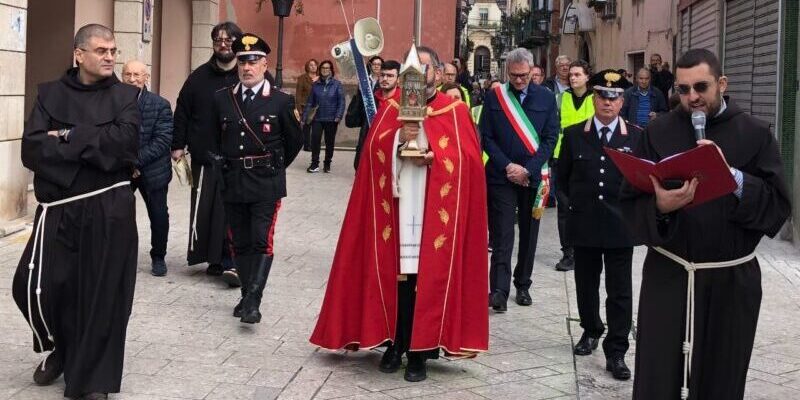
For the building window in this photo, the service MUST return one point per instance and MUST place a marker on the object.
(484, 16)
(635, 63)
(610, 10)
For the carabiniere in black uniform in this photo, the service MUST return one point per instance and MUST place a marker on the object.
(595, 224)
(259, 137)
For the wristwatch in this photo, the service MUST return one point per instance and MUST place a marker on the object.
(63, 135)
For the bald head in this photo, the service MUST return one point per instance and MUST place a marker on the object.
(134, 72)
(643, 78)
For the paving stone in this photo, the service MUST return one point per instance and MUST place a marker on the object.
(167, 386)
(515, 361)
(227, 391)
(525, 390)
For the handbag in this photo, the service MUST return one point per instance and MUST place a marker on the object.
(310, 115)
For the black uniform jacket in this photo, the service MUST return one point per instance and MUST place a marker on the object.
(256, 149)
(592, 183)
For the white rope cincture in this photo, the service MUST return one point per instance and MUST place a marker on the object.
(196, 208)
(688, 339)
(38, 244)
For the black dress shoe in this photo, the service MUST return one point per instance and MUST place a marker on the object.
(391, 360)
(215, 269)
(415, 370)
(567, 263)
(585, 345)
(523, 297)
(620, 371)
(49, 370)
(231, 277)
(499, 302)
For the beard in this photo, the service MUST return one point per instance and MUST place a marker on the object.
(711, 108)
(224, 57)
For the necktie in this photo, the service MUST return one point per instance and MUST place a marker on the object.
(248, 97)
(604, 135)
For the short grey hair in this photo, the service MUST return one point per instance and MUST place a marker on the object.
(563, 59)
(86, 32)
(520, 55)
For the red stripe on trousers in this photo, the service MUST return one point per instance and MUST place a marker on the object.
(271, 232)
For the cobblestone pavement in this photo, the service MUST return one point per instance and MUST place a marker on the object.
(183, 343)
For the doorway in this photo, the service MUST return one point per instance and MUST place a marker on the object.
(483, 62)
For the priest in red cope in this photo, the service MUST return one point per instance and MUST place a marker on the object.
(372, 300)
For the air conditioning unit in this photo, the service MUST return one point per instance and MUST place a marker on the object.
(599, 5)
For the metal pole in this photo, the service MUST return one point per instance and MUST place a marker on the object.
(279, 67)
(417, 22)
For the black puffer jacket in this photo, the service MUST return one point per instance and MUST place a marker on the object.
(155, 136)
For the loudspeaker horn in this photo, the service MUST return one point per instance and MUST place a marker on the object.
(368, 36)
(345, 62)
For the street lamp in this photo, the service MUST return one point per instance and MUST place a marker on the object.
(281, 9)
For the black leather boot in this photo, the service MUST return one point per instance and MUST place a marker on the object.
(245, 265)
(416, 370)
(391, 360)
(257, 277)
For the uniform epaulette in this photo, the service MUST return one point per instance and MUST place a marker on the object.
(632, 124)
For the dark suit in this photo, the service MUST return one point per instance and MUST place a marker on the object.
(254, 162)
(591, 183)
(510, 203)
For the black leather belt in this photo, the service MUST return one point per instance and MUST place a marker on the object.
(252, 161)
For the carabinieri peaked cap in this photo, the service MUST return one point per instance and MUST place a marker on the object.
(607, 83)
(250, 47)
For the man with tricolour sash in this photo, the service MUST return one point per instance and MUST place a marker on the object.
(519, 126)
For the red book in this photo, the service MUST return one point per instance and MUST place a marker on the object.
(703, 162)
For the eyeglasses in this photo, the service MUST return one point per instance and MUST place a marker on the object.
(227, 41)
(102, 51)
(699, 87)
(519, 77)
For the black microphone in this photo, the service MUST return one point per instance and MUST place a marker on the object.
(699, 124)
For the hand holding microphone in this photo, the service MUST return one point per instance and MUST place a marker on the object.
(699, 124)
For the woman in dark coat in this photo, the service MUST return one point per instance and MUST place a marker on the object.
(327, 96)
(304, 83)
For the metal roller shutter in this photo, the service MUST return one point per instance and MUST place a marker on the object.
(765, 61)
(704, 26)
(738, 59)
(751, 56)
(685, 30)
(699, 26)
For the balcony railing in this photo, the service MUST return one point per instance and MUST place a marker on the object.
(534, 30)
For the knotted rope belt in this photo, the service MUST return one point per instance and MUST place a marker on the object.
(193, 237)
(38, 241)
(688, 338)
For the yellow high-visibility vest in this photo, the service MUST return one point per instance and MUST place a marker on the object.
(571, 116)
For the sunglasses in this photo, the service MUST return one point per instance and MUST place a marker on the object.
(699, 87)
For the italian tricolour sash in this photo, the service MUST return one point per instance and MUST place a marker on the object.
(530, 138)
